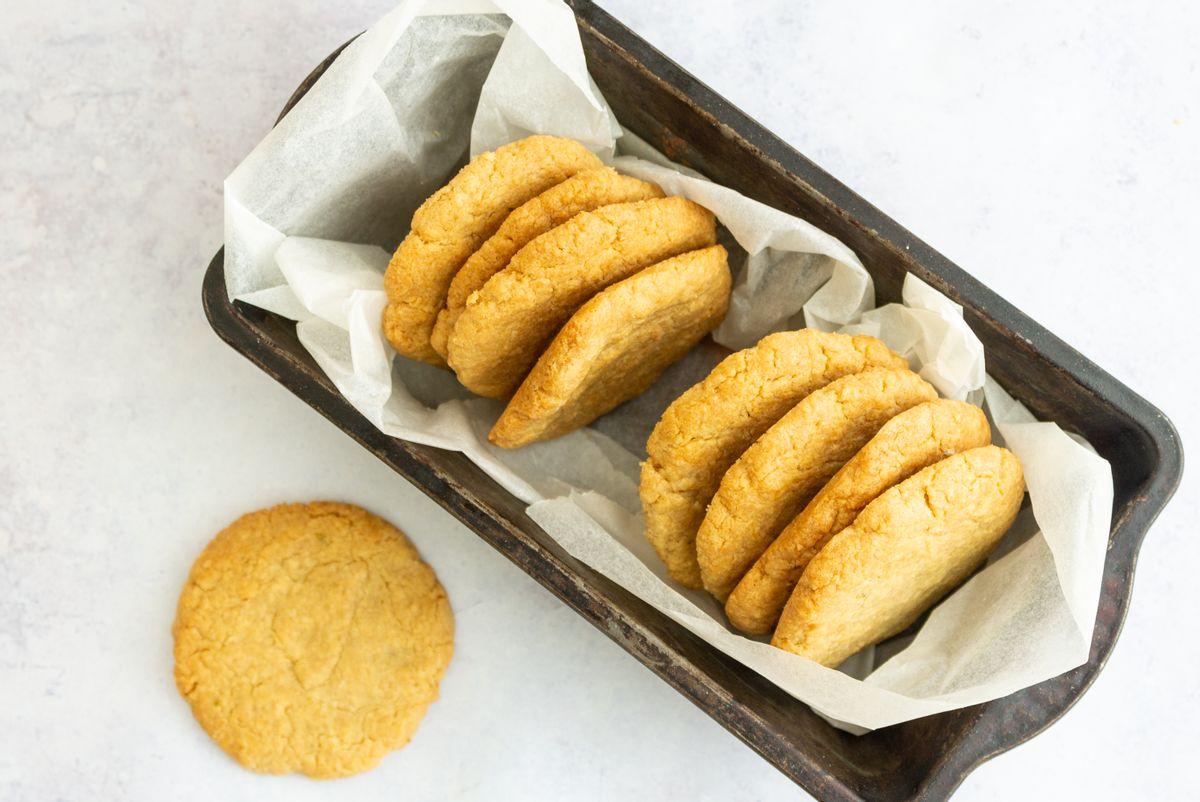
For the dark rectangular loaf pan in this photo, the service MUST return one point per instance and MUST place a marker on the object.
(923, 759)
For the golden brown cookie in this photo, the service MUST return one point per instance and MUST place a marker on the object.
(507, 324)
(904, 551)
(616, 345)
(790, 462)
(707, 428)
(912, 440)
(455, 221)
(581, 192)
(310, 638)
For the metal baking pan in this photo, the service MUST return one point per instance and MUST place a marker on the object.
(922, 759)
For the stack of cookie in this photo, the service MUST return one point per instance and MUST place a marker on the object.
(813, 483)
(823, 492)
(543, 277)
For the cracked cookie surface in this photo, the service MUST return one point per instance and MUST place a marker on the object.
(707, 428)
(904, 551)
(785, 467)
(506, 325)
(912, 440)
(616, 345)
(582, 192)
(457, 219)
(311, 638)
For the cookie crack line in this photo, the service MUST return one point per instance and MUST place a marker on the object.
(349, 630)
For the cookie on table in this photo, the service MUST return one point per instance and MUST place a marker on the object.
(785, 467)
(707, 428)
(456, 220)
(582, 192)
(616, 345)
(507, 324)
(912, 440)
(904, 551)
(311, 638)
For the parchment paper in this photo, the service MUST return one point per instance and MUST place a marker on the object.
(314, 211)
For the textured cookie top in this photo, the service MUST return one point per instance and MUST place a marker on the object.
(310, 638)
(617, 344)
(455, 220)
(707, 428)
(904, 551)
(508, 323)
(912, 440)
(791, 461)
(581, 192)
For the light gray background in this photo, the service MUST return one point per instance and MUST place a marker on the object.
(1050, 149)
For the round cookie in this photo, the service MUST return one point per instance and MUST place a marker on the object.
(790, 462)
(912, 440)
(616, 345)
(581, 192)
(455, 220)
(311, 638)
(507, 324)
(904, 551)
(707, 428)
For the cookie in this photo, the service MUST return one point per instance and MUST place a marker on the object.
(790, 462)
(581, 192)
(311, 638)
(707, 428)
(456, 220)
(507, 324)
(912, 440)
(904, 551)
(616, 345)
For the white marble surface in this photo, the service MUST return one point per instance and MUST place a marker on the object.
(1053, 150)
